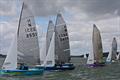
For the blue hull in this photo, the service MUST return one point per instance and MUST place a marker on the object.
(21, 72)
(59, 68)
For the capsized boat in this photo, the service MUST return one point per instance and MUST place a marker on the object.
(58, 49)
(24, 51)
(95, 58)
(112, 56)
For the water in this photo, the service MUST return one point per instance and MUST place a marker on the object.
(81, 72)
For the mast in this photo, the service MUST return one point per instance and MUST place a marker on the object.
(20, 20)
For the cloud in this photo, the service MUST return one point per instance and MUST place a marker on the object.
(7, 31)
(79, 15)
(80, 32)
(45, 7)
(8, 8)
(92, 9)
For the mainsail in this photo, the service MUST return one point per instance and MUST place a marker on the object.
(49, 34)
(62, 48)
(27, 38)
(97, 45)
(114, 49)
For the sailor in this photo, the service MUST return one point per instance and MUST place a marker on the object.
(23, 67)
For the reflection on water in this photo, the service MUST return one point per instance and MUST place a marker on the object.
(109, 72)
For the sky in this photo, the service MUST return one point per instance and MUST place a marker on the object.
(79, 15)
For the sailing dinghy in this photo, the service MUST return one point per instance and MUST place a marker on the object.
(95, 58)
(24, 52)
(58, 53)
(112, 56)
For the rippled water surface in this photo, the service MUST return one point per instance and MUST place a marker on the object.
(109, 72)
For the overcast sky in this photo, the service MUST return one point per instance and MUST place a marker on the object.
(79, 15)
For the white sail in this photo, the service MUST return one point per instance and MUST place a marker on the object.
(90, 59)
(10, 62)
(97, 45)
(113, 52)
(49, 34)
(50, 58)
(62, 47)
(25, 48)
(109, 57)
(97, 54)
(85, 55)
(27, 38)
(114, 49)
(118, 56)
(43, 53)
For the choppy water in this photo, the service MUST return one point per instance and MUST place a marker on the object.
(109, 72)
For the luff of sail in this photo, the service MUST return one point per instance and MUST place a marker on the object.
(62, 48)
(27, 38)
(49, 34)
(97, 45)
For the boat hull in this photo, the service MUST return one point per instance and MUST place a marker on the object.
(21, 72)
(60, 67)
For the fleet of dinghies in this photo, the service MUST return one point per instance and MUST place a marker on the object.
(57, 46)
(26, 58)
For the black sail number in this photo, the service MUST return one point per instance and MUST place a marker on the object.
(30, 35)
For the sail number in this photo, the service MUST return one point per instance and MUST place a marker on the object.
(31, 35)
(31, 32)
(31, 29)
